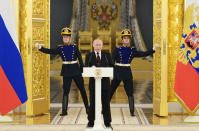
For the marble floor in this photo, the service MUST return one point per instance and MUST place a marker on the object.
(121, 119)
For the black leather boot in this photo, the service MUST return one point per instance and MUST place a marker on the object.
(131, 105)
(85, 100)
(87, 109)
(64, 106)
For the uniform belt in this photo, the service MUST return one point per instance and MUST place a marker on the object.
(120, 64)
(69, 62)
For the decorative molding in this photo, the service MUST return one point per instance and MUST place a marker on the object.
(157, 56)
(35, 27)
(38, 8)
(40, 61)
(22, 39)
(175, 28)
(38, 32)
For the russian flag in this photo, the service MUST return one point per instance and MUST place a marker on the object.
(12, 83)
(186, 85)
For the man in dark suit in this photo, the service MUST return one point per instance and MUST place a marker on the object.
(99, 58)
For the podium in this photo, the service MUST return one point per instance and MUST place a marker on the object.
(98, 73)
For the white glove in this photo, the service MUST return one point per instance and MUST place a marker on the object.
(155, 46)
(38, 45)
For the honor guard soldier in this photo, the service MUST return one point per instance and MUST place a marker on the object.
(70, 69)
(122, 57)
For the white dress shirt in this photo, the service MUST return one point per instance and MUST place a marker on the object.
(99, 54)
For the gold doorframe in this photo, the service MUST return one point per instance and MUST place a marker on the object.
(167, 25)
(34, 26)
(160, 105)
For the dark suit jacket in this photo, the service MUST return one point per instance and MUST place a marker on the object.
(68, 70)
(106, 61)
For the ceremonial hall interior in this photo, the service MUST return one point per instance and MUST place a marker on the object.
(151, 21)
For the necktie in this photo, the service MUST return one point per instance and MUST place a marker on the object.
(98, 58)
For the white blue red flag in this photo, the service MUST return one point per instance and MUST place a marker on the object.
(12, 82)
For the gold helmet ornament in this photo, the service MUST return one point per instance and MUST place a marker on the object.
(66, 31)
(126, 32)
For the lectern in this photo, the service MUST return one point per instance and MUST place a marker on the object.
(98, 73)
